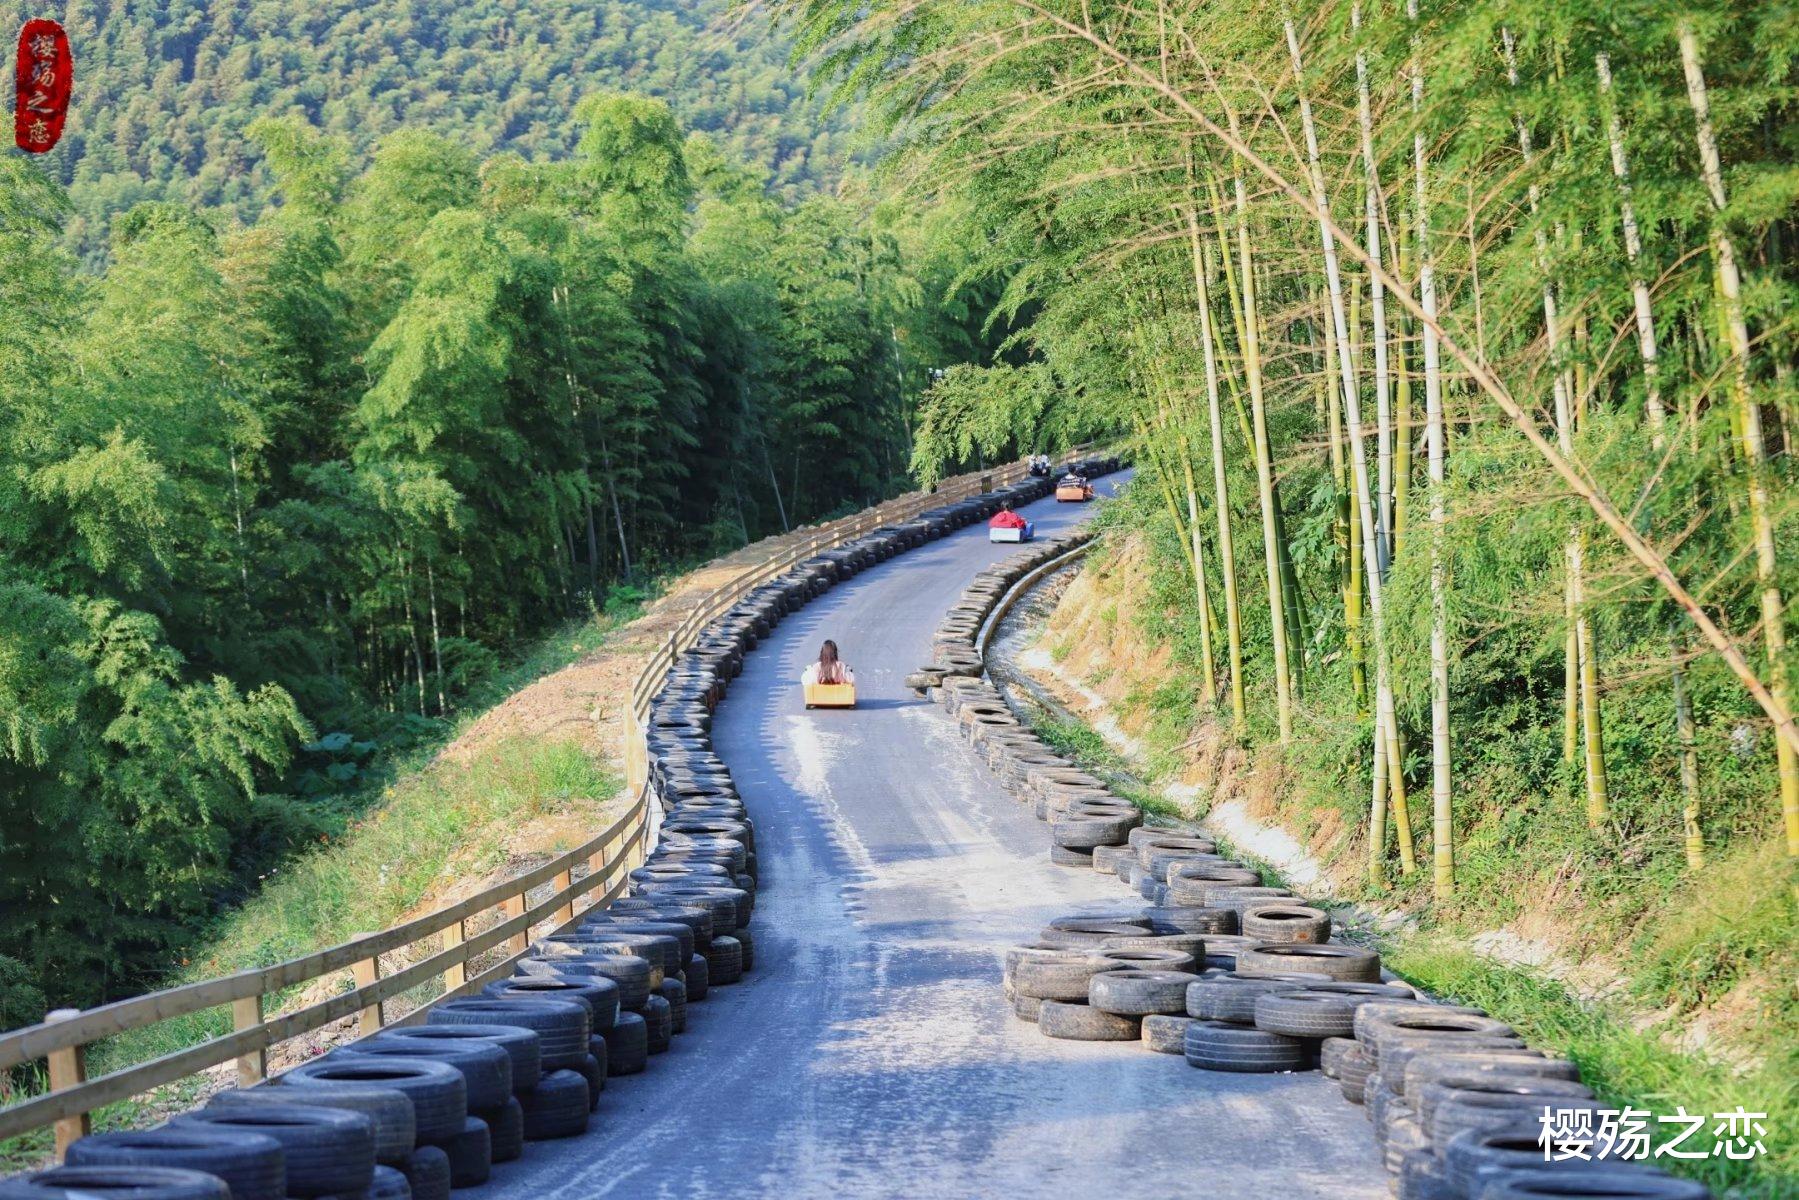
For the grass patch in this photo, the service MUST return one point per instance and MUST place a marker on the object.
(1089, 750)
(1624, 1065)
(380, 869)
(385, 845)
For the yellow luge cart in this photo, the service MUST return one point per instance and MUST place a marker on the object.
(1077, 492)
(830, 695)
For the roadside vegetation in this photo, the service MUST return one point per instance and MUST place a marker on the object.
(1454, 344)
(1628, 1052)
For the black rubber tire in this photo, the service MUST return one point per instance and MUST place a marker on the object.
(437, 1091)
(593, 1070)
(674, 992)
(628, 1046)
(1131, 993)
(1062, 856)
(1218, 1046)
(1400, 1135)
(598, 992)
(1338, 962)
(1618, 1184)
(1080, 933)
(1027, 1008)
(658, 1019)
(632, 974)
(1354, 1069)
(1232, 998)
(326, 1151)
(746, 942)
(1474, 1158)
(470, 1153)
(1430, 1068)
(427, 1171)
(1290, 923)
(699, 978)
(1494, 1110)
(1166, 1034)
(1422, 1176)
(486, 1068)
(1088, 833)
(522, 1046)
(389, 1184)
(1131, 959)
(505, 1130)
(596, 1050)
(1190, 944)
(1306, 1014)
(1331, 1052)
(1370, 1019)
(396, 1125)
(1107, 859)
(562, 1026)
(251, 1164)
(115, 1183)
(1084, 1023)
(1066, 976)
(1431, 1096)
(1395, 1052)
(556, 1107)
(724, 961)
(1191, 918)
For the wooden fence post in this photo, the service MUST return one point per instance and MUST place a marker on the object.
(564, 880)
(68, 1068)
(252, 1068)
(366, 973)
(456, 974)
(519, 942)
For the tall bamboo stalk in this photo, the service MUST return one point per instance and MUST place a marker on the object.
(1748, 416)
(1271, 552)
(1442, 810)
(1579, 676)
(1352, 407)
(1227, 555)
(1383, 399)
(1656, 414)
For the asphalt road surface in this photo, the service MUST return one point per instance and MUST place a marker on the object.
(871, 1052)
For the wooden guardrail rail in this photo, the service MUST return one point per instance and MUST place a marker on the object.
(62, 1038)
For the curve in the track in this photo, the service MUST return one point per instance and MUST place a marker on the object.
(871, 1052)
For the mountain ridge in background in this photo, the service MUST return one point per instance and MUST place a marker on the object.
(164, 91)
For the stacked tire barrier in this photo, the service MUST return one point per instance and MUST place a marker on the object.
(1236, 976)
(416, 1111)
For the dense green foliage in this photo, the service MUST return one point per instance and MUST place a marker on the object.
(166, 92)
(1103, 147)
(1573, 721)
(275, 496)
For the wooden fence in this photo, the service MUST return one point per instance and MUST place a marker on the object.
(62, 1038)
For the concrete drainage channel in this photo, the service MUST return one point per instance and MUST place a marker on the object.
(421, 1110)
(1237, 977)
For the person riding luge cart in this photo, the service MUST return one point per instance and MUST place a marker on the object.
(1008, 526)
(1073, 488)
(829, 683)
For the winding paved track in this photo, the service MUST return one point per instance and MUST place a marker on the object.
(870, 1052)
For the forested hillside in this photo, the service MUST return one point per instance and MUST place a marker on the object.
(165, 92)
(274, 495)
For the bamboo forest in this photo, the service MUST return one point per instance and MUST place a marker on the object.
(348, 351)
(314, 475)
(1455, 344)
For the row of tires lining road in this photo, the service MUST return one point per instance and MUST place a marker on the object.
(1238, 977)
(412, 1113)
